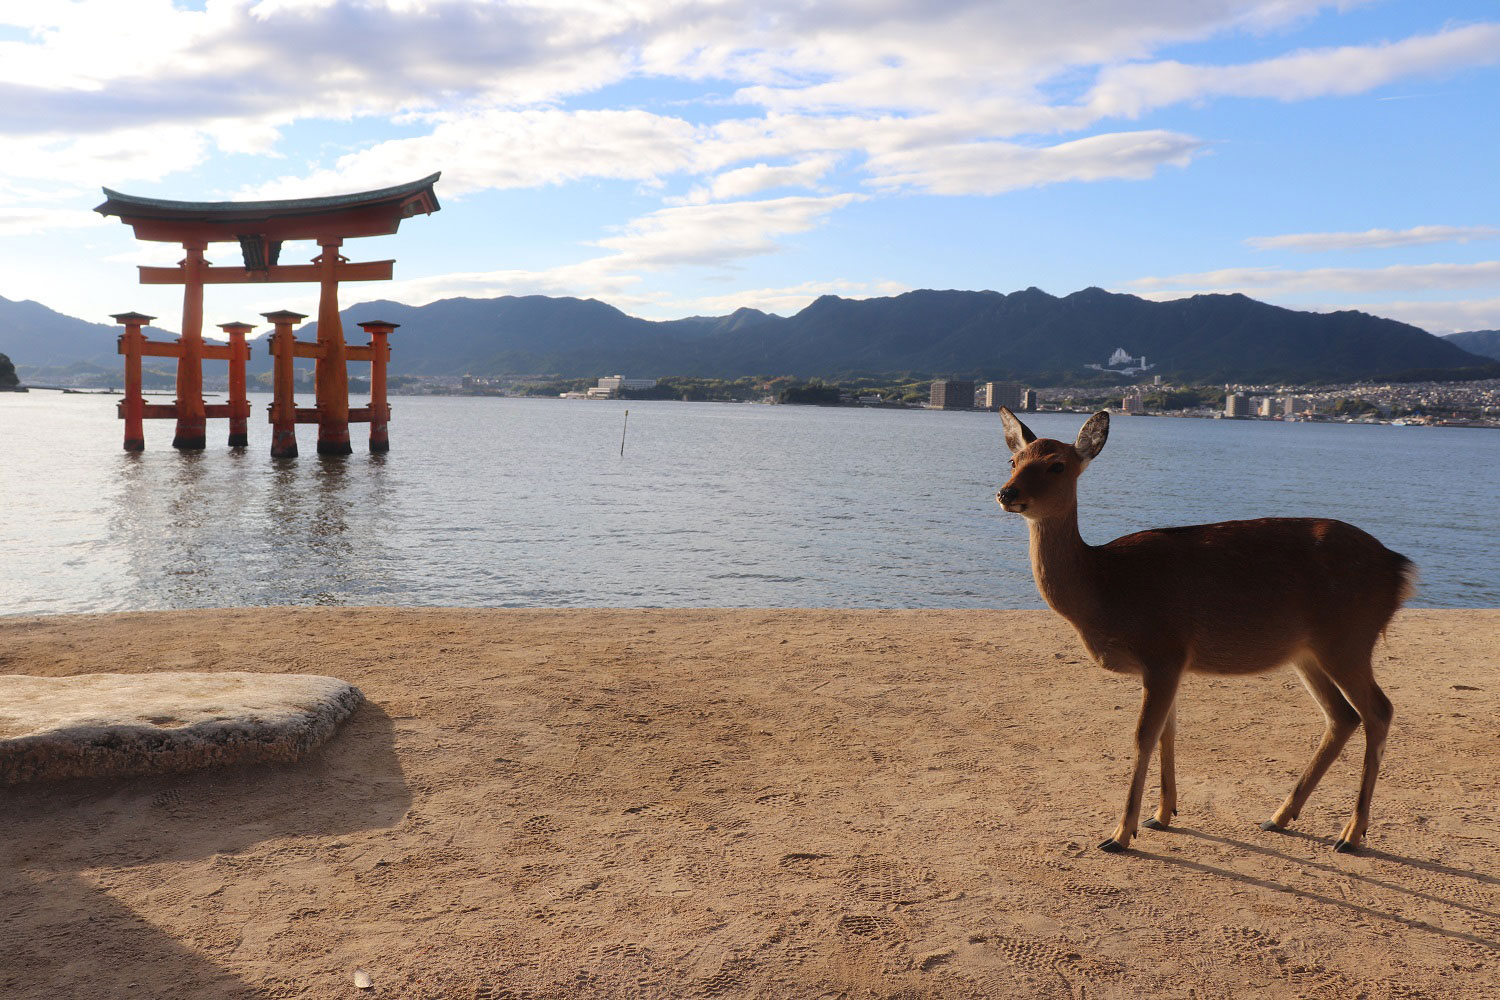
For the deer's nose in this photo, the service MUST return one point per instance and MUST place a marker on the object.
(1008, 494)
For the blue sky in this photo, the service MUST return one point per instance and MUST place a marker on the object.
(678, 157)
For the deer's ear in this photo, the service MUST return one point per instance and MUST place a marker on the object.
(1017, 434)
(1093, 435)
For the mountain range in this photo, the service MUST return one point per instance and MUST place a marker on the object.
(1027, 335)
(1482, 342)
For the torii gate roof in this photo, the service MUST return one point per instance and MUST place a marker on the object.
(366, 213)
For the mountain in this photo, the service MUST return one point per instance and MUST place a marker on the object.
(37, 337)
(1028, 335)
(1482, 342)
(534, 334)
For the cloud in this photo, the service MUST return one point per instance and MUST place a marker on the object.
(712, 235)
(988, 168)
(28, 220)
(1133, 89)
(1260, 280)
(760, 177)
(1372, 239)
(509, 149)
(1440, 317)
(715, 234)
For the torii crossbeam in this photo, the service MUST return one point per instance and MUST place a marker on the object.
(260, 228)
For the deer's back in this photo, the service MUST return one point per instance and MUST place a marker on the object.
(1245, 596)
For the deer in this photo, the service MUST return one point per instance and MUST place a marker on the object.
(1231, 598)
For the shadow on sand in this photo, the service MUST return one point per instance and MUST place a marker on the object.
(1342, 872)
(58, 930)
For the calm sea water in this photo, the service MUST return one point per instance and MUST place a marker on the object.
(528, 502)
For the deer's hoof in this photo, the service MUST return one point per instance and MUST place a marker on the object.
(1112, 846)
(1152, 823)
(1343, 846)
(1271, 825)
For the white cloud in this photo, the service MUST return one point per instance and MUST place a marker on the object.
(760, 177)
(1372, 239)
(995, 167)
(1440, 317)
(710, 235)
(1133, 89)
(509, 149)
(28, 220)
(715, 234)
(1258, 280)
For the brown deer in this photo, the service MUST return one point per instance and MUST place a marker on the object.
(1238, 597)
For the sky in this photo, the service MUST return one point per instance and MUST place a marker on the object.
(689, 157)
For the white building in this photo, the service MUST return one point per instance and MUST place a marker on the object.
(610, 386)
(994, 395)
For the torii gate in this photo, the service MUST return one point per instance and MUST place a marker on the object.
(260, 227)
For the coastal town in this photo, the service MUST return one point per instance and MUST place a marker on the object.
(1449, 404)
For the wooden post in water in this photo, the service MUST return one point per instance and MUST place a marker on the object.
(623, 429)
(332, 376)
(239, 403)
(133, 406)
(380, 410)
(191, 419)
(283, 402)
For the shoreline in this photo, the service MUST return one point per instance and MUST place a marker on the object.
(760, 802)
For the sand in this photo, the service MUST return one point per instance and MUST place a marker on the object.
(751, 803)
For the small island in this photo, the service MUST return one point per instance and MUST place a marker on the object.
(9, 382)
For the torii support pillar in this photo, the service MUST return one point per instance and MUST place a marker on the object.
(132, 342)
(239, 403)
(380, 411)
(191, 416)
(332, 375)
(283, 402)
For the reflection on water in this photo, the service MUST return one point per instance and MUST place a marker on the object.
(499, 502)
(217, 529)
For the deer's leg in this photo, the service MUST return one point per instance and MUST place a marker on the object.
(1156, 707)
(1342, 720)
(1168, 761)
(1375, 712)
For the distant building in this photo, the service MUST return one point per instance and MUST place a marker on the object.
(997, 394)
(1269, 407)
(1028, 400)
(1293, 405)
(610, 386)
(951, 394)
(1122, 362)
(1133, 403)
(1236, 405)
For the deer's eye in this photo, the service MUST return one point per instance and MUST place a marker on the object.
(1056, 468)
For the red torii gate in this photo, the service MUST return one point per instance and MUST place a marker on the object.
(260, 228)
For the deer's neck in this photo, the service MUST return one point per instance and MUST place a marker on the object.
(1063, 566)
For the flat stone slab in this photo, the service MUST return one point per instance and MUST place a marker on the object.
(102, 725)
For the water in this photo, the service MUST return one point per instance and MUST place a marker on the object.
(527, 502)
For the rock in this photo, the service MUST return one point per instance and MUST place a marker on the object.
(97, 725)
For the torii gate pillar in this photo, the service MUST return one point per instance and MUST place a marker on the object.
(239, 403)
(191, 417)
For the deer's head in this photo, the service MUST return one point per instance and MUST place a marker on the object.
(1045, 472)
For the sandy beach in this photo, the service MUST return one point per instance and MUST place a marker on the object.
(835, 804)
